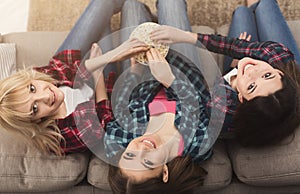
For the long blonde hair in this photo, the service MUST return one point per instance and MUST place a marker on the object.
(44, 135)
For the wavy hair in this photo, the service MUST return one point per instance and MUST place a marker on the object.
(44, 135)
(184, 176)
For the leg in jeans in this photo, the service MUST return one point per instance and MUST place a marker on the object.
(272, 26)
(133, 13)
(92, 25)
(174, 13)
(243, 20)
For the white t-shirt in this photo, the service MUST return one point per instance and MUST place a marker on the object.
(231, 73)
(73, 97)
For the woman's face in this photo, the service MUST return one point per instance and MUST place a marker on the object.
(257, 78)
(45, 99)
(144, 158)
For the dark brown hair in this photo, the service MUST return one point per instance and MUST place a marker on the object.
(267, 120)
(184, 176)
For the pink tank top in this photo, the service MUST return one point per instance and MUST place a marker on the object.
(161, 104)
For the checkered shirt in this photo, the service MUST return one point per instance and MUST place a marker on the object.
(85, 127)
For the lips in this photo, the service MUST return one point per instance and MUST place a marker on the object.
(150, 143)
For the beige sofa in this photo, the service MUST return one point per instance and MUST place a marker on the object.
(232, 169)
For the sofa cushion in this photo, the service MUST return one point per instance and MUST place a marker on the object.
(271, 166)
(218, 167)
(7, 59)
(25, 169)
(97, 173)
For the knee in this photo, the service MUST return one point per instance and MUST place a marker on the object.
(170, 3)
(131, 4)
(240, 10)
(266, 3)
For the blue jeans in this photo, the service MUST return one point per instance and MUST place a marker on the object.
(265, 22)
(169, 12)
(93, 24)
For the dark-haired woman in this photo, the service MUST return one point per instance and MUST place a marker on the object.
(262, 92)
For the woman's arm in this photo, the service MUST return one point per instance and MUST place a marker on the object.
(126, 50)
(97, 62)
(171, 35)
(233, 47)
(100, 90)
(215, 43)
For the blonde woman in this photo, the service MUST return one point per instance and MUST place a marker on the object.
(64, 107)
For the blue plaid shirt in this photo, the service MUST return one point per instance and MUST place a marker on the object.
(197, 112)
(130, 105)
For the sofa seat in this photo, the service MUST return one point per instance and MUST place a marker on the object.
(25, 169)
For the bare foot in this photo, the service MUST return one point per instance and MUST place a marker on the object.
(95, 51)
(251, 2)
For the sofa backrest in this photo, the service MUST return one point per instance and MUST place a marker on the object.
(34, 48)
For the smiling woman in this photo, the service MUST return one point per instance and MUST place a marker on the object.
(256, 78)
(143, 158)
(43, 99)
(160, 132)
(266, 82)
(41, 104)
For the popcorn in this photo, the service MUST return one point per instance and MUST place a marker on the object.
(142, 33)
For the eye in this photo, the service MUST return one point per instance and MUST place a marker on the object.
(148, 162)
(32, 88)
(251, 86)
(35, 108)
(130, 154)
(266, 75)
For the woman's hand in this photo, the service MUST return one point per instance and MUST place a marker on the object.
(160, 68)
(171, 35)
(127, 49)
(136, 67)
(243, 36)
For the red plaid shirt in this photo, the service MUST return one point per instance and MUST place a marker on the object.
(85, 127)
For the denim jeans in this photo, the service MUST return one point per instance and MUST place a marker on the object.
(93, 25)
(265, 22)
(169, 12)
